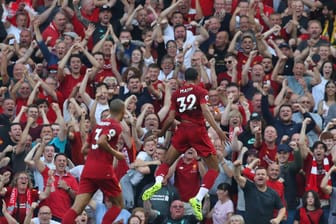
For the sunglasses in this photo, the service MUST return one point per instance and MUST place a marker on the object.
(227, 62)
(178, 206)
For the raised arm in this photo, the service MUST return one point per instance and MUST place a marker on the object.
(33, 95)
(19, 148)
(279, 67)
(247, 67)
(211, 120)
(37, 157)
(237, 174)
(62, 134)
(46, 14)
(78, 13)
(302, 140)
(128, 23)
(225, 114)
(29, 157)
(85, 96)
(232, 46)
(3, 68)
(62, 63)
(204, 35)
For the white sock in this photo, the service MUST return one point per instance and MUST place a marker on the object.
(201, 193)
(158, 179)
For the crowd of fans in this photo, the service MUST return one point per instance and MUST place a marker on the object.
(268, 67)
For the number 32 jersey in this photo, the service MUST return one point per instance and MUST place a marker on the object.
(186, 102)
(99, 162)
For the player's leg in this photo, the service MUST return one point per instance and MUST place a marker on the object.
(161, 172)
(208, 180)
(77, 208)
(114, 210)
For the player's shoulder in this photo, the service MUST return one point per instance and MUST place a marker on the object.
(108, 122)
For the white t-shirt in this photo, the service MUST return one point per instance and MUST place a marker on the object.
(37, 221)
(99, 109)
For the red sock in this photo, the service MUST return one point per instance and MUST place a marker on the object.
(111, 215)
(162, 170)
(69, 217)
(209, 178)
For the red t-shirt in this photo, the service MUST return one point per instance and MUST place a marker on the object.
(206, 5)
(267, 155)
(77, 156)
(94, 17)
(100, 159)
(22, 200)
(186, 102)
(307, 166)
(242, 59)
(51, 31)
(187, 173)
(59, 200)
(157, 103)
(68, 83)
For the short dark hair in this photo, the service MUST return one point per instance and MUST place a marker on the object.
(285, 105)
(190, 74)
(101, 84)
(317, 143)
(117, 106)
(32, 106)
(223, 186)
(153, 65)
(40, 101)
(60, 154)
(178, 26)
(75, 56)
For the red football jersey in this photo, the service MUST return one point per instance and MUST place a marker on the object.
(186, 102)
(99, 161)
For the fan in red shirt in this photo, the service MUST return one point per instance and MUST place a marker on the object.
(247, 45)
(103, 141)
(189, 106)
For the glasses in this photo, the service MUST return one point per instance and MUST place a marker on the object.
(307, 102)
(178, 206)
(44, 213)
(227, 62)
(170, 47)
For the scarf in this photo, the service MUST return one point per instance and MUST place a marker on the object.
(13, 201)
(312, 179)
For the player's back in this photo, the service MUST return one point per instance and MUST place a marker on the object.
(99, 159)
(187, 101)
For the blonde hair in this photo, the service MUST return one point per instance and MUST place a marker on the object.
(237, 218)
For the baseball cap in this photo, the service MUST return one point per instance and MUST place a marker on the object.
(284, 148)
(71, 34)
(104, 8)
(255, 116)
(284, 44)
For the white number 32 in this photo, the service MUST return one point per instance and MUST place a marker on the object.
(186, 103)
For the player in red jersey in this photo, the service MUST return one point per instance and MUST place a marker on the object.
(98, 171)
(189, 106)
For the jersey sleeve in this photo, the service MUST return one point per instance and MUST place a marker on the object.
(203, 96)
(173, 102)
(111, 131)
